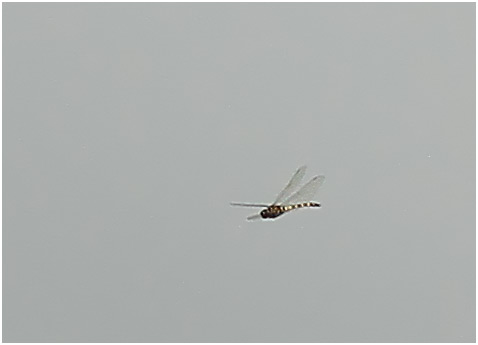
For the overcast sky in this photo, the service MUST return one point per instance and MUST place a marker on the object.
(128, 129)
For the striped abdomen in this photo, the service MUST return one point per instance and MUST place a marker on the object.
(304, 204)
(276, 210)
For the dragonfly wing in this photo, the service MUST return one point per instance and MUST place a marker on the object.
(291, 186)
(254, 217)
(307, 192)
(248, 205)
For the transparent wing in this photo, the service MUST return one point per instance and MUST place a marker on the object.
(291, 186)
(247, 204)
(307, 192)
(254, 217)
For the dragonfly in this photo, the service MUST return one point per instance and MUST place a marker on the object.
(287, 200)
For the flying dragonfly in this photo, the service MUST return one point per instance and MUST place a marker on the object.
(286, 201)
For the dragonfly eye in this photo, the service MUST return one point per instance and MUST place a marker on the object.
(263, 213)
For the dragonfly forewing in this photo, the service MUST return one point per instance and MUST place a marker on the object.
(248, 205)
(254, 217)
(306, 193)
(291, 186)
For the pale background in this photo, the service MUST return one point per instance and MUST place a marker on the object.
(128, 129)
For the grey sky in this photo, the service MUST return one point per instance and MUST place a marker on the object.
(128, 129)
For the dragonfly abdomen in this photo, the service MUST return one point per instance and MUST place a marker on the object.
(304, 204)
(275, 210)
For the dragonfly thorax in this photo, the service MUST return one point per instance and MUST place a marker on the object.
(272, 212)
